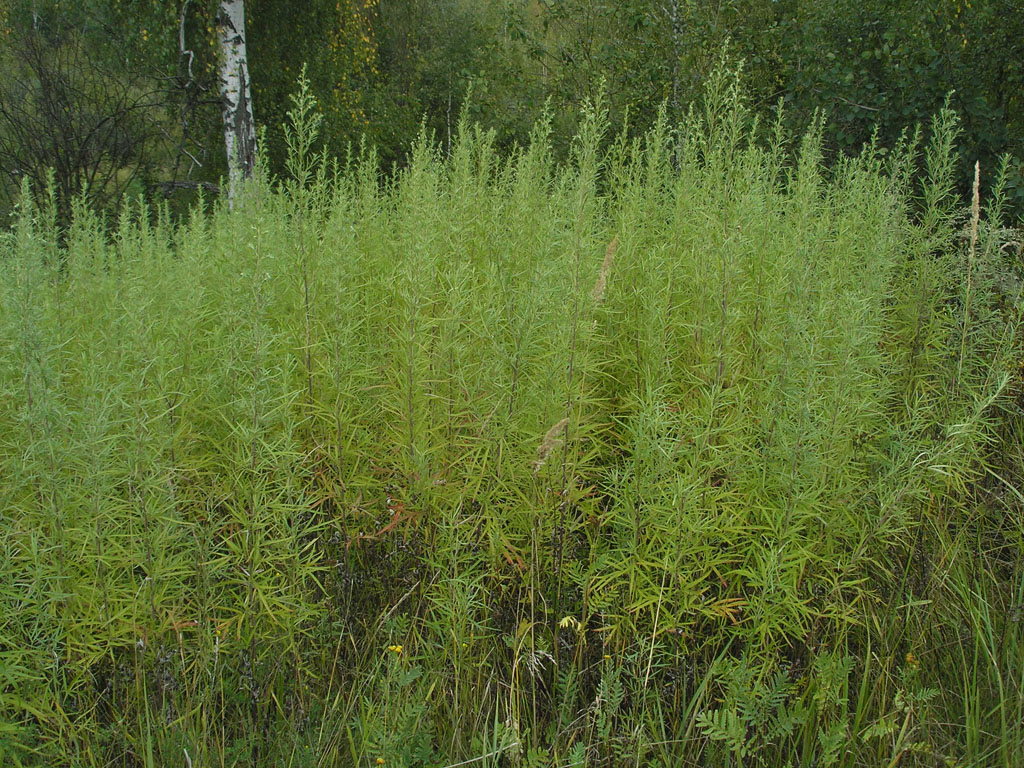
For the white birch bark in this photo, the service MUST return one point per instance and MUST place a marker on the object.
(236, 97)
(671, 10)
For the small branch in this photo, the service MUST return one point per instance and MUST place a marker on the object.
(851, 103)
(168, 187)
(182, 50)
(496, 752)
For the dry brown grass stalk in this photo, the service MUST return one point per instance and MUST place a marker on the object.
(550, 442)
(975, 207)
(975, 217)
(606, 268)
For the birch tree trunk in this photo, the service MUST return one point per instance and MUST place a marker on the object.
(236, 98)
(672, 11)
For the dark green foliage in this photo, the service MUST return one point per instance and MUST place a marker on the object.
(885, 66)
(381, 69)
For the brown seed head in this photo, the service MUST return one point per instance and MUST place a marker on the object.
(606, 267)
(551, 441)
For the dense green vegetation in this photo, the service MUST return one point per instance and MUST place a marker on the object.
(688, 450)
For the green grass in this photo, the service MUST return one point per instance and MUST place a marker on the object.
(690, 451)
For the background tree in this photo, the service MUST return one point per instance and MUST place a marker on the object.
(98, 91)
(65, 110)
(381, 69)
(70, 105)
(428, 54)
(235, 93)
(883, 65)
(337, 43)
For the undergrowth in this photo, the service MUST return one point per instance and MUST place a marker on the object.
(691, 451)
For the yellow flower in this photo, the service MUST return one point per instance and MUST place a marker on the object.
(380, 761)
(394, 649)
(912, 660)
(607, 656)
